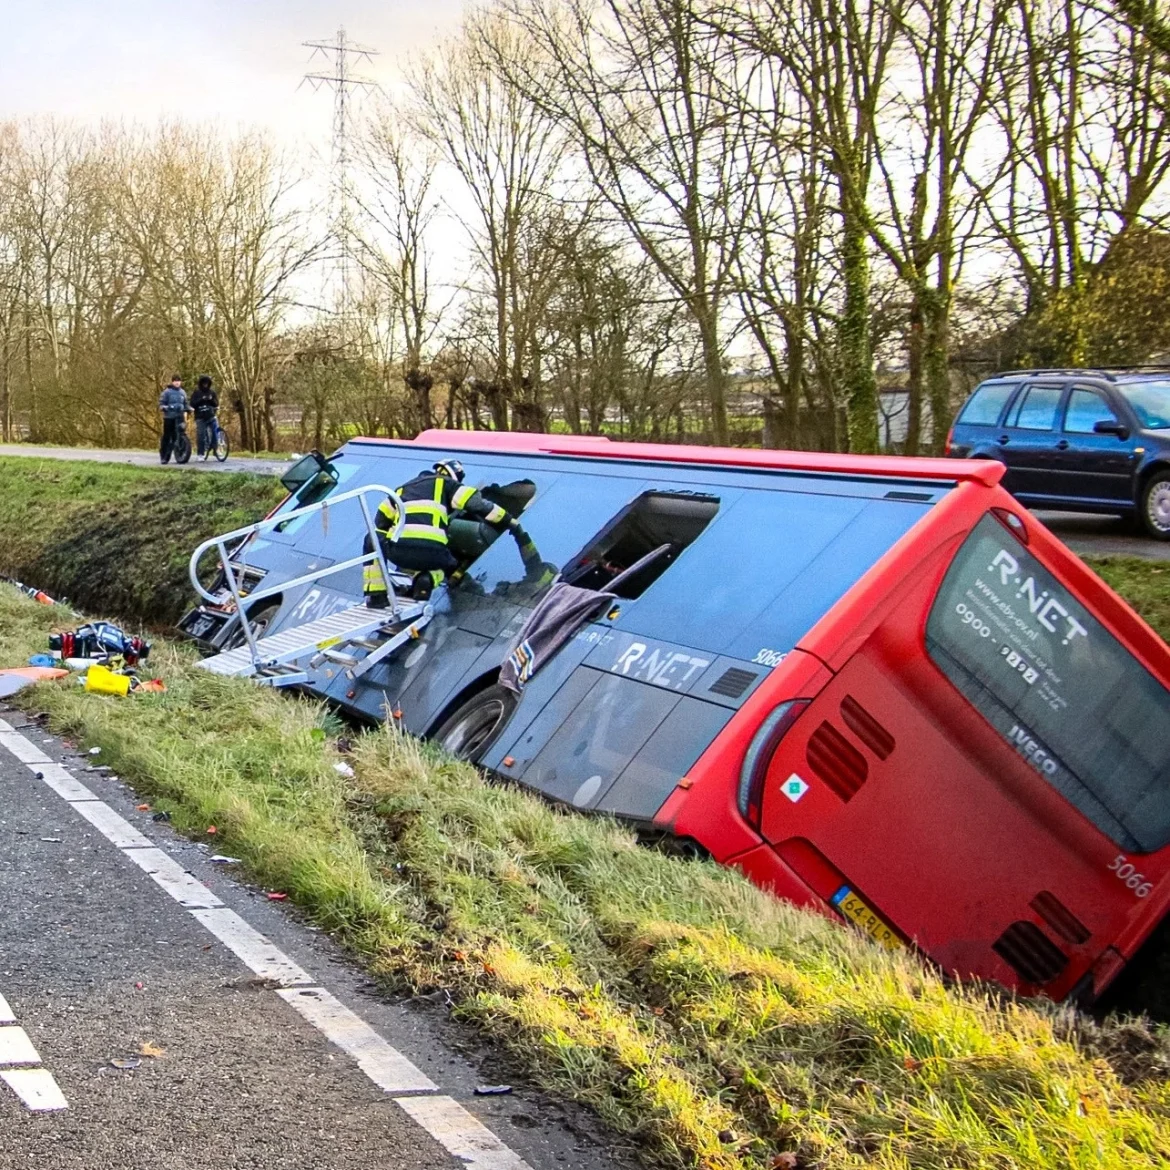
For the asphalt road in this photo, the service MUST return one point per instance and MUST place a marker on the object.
(145, 459)
(1101, 536)
(131, 1036)
(1088, 535)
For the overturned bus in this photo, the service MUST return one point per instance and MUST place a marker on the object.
(875, 685)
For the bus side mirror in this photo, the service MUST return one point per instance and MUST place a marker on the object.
(311, 475)
(1111, 427)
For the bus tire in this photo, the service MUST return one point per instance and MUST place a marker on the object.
(259, 620)
(473, 727)
(1155, 505)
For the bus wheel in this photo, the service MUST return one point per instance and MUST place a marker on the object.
(259, 621)
(474, 726)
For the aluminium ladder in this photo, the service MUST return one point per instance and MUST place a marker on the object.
(289, 657)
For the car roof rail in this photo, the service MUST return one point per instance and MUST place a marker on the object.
(1104, 373)
(1110, 372)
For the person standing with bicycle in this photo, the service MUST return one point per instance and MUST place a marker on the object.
(172, 402)
(205, 403)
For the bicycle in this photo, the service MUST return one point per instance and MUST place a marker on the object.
(182, 447)
(222, 448)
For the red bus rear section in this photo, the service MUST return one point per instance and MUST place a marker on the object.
(969, 754)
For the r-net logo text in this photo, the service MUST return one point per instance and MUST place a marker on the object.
(1041, 604)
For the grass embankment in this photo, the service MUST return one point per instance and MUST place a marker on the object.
(1144, 584)
(116, 538)
(719, 1027)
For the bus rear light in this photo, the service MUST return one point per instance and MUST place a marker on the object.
(759, 755)
(1030, 952)
(1012, 523)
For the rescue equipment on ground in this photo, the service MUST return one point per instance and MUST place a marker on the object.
(100, 640)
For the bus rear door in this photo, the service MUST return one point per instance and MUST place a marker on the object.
(988, 776)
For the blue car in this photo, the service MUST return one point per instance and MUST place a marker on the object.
(1076, 440)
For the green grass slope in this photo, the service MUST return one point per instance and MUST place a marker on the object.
(116, 539)
(718, 1027)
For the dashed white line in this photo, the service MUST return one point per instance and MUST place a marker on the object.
(16, 1047)
(452, 1126)
(384, 1065)
(188, 891)
(36, 1088)
(461, 1134)
(256, 952)
(114, 828)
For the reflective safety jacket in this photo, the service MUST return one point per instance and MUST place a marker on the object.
(431, 500)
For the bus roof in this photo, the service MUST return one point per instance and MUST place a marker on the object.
(984, 471)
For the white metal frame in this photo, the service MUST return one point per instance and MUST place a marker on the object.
(220, 542)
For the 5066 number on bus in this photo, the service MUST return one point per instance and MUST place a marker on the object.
(1127, 872)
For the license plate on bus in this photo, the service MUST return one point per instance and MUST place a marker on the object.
(861, 914)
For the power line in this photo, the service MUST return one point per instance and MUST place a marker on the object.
(341, 53)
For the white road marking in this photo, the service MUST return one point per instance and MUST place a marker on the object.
(452, 1126)
(256, 952)
(36, 1088)
(384, 1065)
(16, 1047)
(59, 780)
(23, 749)
(188, 891)
(6, 1016)
(461, 1134)
(114, 828)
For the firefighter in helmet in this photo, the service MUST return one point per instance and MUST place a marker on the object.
(430, 500)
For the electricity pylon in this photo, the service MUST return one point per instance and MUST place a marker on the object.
(343, 81)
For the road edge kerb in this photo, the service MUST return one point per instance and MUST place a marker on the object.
(456, 1129)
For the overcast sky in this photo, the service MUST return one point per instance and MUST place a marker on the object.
(231, 61)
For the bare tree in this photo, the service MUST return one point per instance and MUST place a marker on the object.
(508, 155)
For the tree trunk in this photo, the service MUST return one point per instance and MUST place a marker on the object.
(716, 379)
(937, 367)
(856, 351)
(914, 347)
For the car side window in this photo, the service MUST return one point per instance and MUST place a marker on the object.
(1085, 409)
(986, 405)
(1037, 408)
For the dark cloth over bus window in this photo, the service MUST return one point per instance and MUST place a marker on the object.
(1060, 688)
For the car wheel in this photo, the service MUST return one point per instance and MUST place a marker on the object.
(476, 725)
(1155, 506)
(259, 621)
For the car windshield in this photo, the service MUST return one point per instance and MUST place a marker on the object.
(1150, 402)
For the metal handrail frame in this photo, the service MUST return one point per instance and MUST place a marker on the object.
(274, 521)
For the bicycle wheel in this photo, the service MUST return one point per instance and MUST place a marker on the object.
(182, 448)
(222, 447)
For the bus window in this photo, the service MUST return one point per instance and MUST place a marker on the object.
(566, 511)
(1057, 685)
(641, 542)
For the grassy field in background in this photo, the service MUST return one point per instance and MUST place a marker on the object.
(114, 538)
(1144, 584)
(717, 1026)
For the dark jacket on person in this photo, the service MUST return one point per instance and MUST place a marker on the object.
(173, 402)
(205, 403)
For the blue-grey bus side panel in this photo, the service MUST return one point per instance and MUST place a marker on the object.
(598, 738)
(765, 570)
